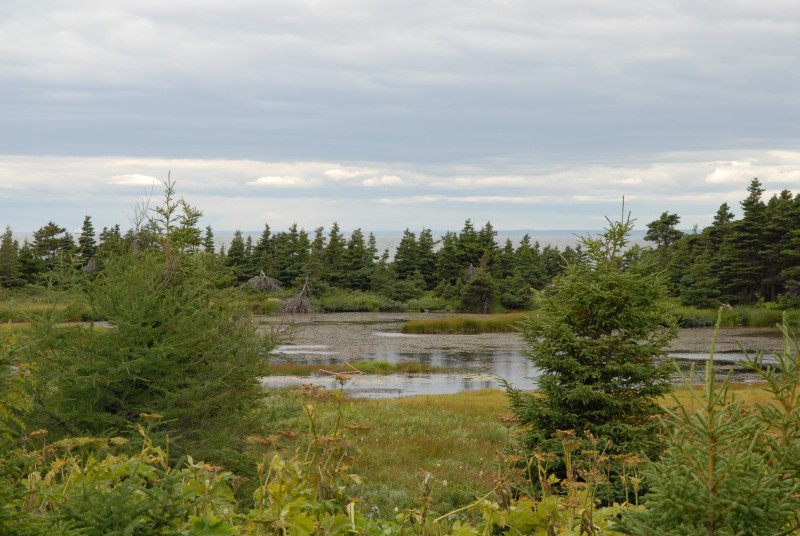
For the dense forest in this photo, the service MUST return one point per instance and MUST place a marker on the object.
(739, 261)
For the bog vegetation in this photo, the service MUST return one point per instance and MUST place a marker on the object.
(149, 417)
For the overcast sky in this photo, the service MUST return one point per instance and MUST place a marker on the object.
(391, 114)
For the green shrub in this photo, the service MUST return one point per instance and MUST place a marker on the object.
(429, 302)
(349, 301)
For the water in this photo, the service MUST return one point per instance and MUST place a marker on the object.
(480, 369)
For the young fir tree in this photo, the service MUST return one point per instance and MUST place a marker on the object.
(182, 346)
(601, 328)
(727, 469)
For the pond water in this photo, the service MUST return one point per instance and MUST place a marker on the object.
(466, 370)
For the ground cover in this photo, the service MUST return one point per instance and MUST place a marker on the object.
(471, 324)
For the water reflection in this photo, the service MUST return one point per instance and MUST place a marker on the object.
(475, 370)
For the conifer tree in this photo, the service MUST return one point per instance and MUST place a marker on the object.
(9, 261)
(600, 328)
(87, 243)
(208, 241)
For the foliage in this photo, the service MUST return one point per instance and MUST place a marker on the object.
(340, 301)
(729, 469)
(600, 327)
(179, 347)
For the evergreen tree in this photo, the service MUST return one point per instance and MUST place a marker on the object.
(478, 293)
(426, 257)
(782, 218)
(30, 265)
(335, 257)
(406, 258)
(358, 262)
(469, 247)
(530, 264)
(264, 252)
(291, 255)
(110, 242)
(601, 326)
(53, 245)
(383, 278)
(740, 258)
(317, 266)
(505, 265)
(236, 256)
(728, 469)
(664, 233)
(9, 261)
(448, 265)
(87, 243)
(208, 241)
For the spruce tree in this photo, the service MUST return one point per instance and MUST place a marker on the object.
(598, 338)
(9, 261)
(87, 243)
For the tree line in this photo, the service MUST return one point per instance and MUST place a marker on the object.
(469, 266)
(738, 261)
(755, 258)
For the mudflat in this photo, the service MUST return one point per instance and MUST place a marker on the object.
(357, 336)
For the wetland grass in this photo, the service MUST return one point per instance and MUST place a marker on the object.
(467, 324)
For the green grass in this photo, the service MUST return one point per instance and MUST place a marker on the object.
(392, 443)
(740, 316)
(500, 323)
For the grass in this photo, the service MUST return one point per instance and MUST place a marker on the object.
(740, 316)
(393, 443)
(499, 323)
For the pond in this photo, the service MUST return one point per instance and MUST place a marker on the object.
(468, 362)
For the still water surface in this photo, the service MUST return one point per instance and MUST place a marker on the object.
(466, 370)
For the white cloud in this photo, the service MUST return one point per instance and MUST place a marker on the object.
(134, 179)
(282, 182)
(629, 181)
(386, 180)
(343, 174)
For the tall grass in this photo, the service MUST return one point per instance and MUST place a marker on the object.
(500, 323)
(740, 316)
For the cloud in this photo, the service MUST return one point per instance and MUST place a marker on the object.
(627, 181)
(342, 174)
(386, 180)
(134, 179)
(282, 182)
(545, 193)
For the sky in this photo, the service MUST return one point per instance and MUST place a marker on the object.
(384, 114)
